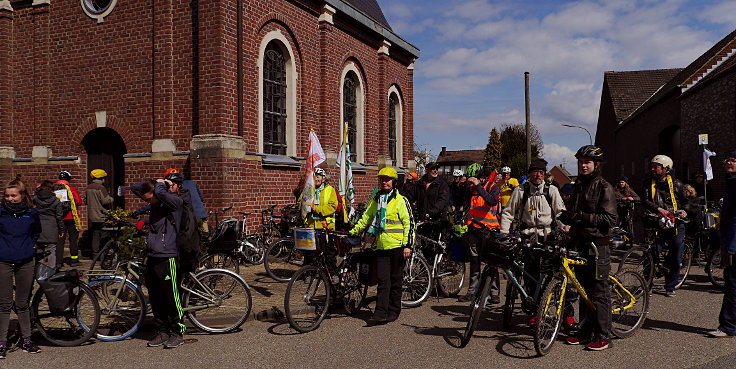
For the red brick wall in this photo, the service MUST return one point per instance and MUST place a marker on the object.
(168, 69)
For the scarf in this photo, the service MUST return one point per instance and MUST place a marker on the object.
(672, 191)
(15, 208)
(317, 193)
(75, 213)
(379, 220)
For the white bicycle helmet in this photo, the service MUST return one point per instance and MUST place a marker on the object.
(663, 160)
(666, 222)
(457, 173)
(320, 172)
(505, 170)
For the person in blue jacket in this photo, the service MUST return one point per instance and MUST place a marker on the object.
(727, 318)
(20, 227)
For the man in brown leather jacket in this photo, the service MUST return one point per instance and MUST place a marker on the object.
(591, 216)
(98, 201)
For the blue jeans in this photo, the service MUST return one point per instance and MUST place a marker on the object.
(675, 244)
(727, 318)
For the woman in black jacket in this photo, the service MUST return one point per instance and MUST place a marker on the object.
(592, 214)
(52, 221)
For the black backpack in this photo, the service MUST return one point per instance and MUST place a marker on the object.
(65, 205)
(187, 235)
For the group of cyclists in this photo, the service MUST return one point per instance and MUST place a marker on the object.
(485, 202)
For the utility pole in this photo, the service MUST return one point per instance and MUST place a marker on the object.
(528, 121)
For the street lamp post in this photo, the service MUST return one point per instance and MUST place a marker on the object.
(583, 128)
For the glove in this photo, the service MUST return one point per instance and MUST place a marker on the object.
(570, 218)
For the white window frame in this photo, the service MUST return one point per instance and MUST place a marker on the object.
(399, 124)
(291, 82)
(101, 16)
(357, 147)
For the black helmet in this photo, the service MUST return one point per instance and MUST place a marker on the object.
(590, 151)
(175, 177)
(65, 176)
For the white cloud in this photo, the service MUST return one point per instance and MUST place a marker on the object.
(723, 13)
(557, 154)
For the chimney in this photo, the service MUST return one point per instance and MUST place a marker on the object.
(444, 148)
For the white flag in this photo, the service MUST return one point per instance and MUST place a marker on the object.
(314, 158)
(706, 163)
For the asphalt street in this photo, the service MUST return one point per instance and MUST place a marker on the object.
(672, 337)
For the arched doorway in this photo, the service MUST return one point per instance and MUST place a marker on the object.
(105, 149)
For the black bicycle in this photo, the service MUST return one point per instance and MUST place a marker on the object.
(314, 287)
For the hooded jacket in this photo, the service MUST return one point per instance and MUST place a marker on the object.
(18, 234)
(51, 214)
(162, 234)
(594, 206)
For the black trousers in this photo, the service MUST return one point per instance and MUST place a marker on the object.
(594, 279)
(390, 272)
(19, 275)
(162, 281)
(71, 230)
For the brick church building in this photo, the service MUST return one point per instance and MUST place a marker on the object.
(227, 91)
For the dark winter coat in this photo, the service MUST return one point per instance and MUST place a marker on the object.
(662, 196)
(593, 208)
(162, 235)
(18, 234)
(431, 197)
(52, 215)
(728, 219)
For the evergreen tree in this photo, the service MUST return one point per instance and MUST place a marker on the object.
(513, 153)
(492, 157)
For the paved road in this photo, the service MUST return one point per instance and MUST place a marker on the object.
(672, 337)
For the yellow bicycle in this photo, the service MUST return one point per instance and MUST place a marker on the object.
(628, 293)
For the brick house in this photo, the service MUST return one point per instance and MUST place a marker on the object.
(449, 160)
(645, 113)
(225, 90)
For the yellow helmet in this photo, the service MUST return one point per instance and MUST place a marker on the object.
(388, 172)
(98, 173)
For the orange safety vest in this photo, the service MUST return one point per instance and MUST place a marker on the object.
(480, 212)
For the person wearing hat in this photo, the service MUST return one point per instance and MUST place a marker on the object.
(410, 181)
(72, 221)
(431, 194)
(591, 217)
(98, 201)
(200, 211)
(458, 191)
(664, 195)
(389, 218)
(727, 317)
(507, 184)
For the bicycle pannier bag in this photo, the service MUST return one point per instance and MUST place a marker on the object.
(367, 273)
(60, 288)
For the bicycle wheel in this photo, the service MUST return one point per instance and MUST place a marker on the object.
(217, 300)
(641, 260)
(223, 260)
(477, 307)
(123, 307)
(417, 283)
(268, 233)
(307, 299)
(508, 305)
(715, 269)
(549, 316)
(73, 327)
(107, 258)
(353, 293)
(450, 277)
(283, 260)
(253, 248)
(628, 315)
(687, 260)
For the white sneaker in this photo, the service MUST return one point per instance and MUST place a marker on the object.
(719, 334)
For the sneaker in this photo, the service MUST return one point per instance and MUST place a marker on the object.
(28, 346)
(718, 333)
(533, 321)
(495, 299)
(572, 340)
(598, 345)
(465, 298)
(3, 351)
(159, 340)
(73, 262)
(670, 293)
(569, 322)
(174, 341)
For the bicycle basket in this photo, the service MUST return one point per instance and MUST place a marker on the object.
(225, 238)
(498, 249)
(60, 288)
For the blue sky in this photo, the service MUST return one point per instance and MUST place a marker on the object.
(470, 76)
